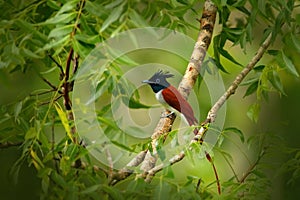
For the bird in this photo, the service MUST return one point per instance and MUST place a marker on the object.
(169, 96)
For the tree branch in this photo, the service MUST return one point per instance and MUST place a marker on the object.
(215, 109)
(212, 114)
(207, 22)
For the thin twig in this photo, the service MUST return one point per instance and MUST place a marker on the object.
(49, 83)
(58, 65)
(47, 102)
(45, 92)
(250, 169)
(198, 185)
(231, 90)
(208, 157)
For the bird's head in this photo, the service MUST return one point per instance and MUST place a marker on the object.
(159, 81)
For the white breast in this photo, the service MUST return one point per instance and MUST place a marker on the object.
(160, 98)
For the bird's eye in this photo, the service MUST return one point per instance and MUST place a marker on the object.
(157, 81)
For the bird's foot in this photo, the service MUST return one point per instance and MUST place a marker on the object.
(167, 115)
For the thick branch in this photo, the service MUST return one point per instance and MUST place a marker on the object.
(207, 22)
(147, 158)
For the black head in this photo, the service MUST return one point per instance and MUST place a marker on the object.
(159, 81)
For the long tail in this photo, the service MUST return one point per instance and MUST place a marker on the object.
(191, 120)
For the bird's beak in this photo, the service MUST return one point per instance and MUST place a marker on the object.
(146, 81)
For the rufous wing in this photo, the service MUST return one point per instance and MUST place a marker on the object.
(176, 100)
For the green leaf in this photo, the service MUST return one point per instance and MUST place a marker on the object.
(113, 4)
(58, 179)
(225, 53)
(137, 19)
(95, 8)
(274, 78)
(29, 53)
(88, 39)
(273, 52)
(61, 31)
(56, 43)
(168, 172)
(31, 133)
(83, 50)
(68, 6)
(252, 88)
(30, 29)
(122, 146)
(112, 192)
(53, 4)
(134, 104)
(162, 191)
(91, 189)
(18, 108)
(115, 14)
(38, 164)
(259, 68)
(64, 120)
(292, 42)
(108, 122)
(161, 154)
(253, 112)
(62, 18)
(236, 131)
(289, 64)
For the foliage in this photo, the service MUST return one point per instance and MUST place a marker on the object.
(35, 33)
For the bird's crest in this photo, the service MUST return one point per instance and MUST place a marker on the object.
(160, 76)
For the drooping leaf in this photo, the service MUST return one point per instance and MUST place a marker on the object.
(56, 43)
(251, 89)
(64, 120)
(162, 191)
(134, 104)
(31, 133)
(274, 78)
(259, 68)
(122, 146)
(113, 193)
(253, 112)
(137, 19)
(115, 14)
(168, 172)
(88, 39)
(29, 53)
(62, 18)
(289, 64)
(38, 164)
(30, 29)
(70, 5)
(61, 31)
(236, 131)
(18, 108)
(225, 53)
(91, 189)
